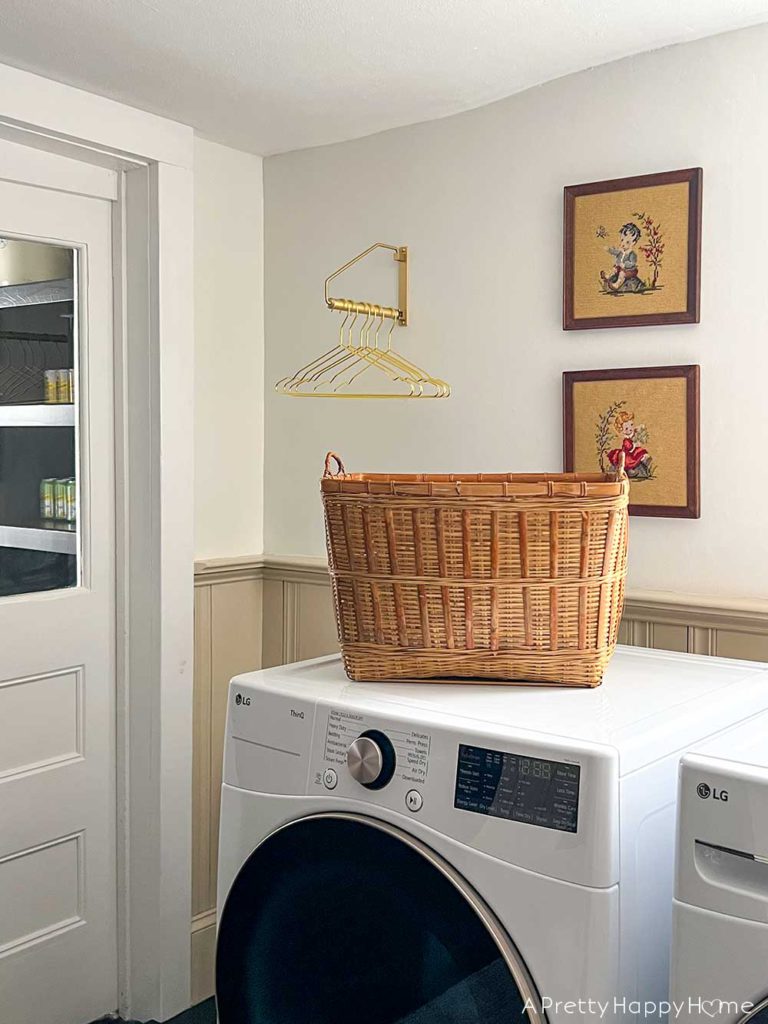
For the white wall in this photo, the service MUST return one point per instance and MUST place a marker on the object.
(478, 198)
(229, 351)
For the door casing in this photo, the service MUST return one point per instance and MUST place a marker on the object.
(153, 326)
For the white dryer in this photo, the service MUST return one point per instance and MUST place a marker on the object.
(720, 950)
(436, 854)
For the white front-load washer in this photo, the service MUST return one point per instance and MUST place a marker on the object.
(456, 854)
(720, 933)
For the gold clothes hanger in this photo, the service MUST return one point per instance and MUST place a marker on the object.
(335, 373)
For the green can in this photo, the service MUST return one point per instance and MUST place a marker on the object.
(62, 386)
(48, 498)
(71, 500)
(50, 386)
(60, 500)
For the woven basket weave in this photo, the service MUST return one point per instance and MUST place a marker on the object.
(485, 577)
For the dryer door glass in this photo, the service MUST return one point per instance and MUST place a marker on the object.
(338, 919)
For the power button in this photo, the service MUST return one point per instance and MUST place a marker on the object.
(414, 800)
(330, 778)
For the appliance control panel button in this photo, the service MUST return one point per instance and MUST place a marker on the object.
(371, 759)
(414, 801)
(330, 778)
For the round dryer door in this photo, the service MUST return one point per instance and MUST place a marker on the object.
(340, 919)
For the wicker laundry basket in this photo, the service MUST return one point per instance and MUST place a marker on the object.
(477, 577)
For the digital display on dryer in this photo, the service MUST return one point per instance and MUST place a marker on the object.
(518, 787)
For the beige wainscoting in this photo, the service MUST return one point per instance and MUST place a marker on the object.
(258, 612)
(228, 640)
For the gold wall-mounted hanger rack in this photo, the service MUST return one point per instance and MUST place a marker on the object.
(361, 347)
(350, 306)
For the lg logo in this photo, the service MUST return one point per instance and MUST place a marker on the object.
(705, 792)
(240, 699)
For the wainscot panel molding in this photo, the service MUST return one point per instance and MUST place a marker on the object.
(259, 611)
(299, 623)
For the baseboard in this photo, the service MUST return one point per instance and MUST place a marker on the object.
(203, 955)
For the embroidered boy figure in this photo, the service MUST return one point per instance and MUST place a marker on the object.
(637, 462)
(625, 276)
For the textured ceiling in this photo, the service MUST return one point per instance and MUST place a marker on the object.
(274, 75)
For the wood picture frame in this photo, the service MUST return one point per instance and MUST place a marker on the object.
(664, 210)
(604, 407)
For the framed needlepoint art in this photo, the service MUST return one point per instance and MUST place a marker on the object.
(632, 251)
(651, 415)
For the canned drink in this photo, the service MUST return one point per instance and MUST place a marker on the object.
(60, 500)
(48, 498)
(71, 500)
(62, 386)
(50, 386)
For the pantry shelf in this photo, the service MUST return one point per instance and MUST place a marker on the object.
(37, 415)
(59, 540)
(37, 294)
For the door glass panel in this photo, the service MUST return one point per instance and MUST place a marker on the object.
(39, 547)
(333, 921)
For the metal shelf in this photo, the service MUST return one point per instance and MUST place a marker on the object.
(37, 294)
(59, 539)
(52, 415)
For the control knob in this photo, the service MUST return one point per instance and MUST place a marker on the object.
(371, 759)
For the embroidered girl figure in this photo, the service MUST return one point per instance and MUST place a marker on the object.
(637, 461)
(625, 274)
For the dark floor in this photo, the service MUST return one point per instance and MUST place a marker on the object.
(203, 1013)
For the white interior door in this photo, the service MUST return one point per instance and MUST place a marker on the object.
(58, 959)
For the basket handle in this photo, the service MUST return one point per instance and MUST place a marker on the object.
(621, 473)
(340, 470)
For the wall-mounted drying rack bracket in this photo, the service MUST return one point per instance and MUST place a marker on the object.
(388, 312)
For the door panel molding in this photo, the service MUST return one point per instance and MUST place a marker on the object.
(58, 714)
(53, 855)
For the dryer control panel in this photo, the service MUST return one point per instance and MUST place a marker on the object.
(532, 799)
(526, 798)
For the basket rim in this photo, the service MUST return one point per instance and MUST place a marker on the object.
(476, 477)
(477, 485)
(596, 478)
(582, 485)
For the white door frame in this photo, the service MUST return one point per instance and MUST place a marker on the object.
(152, 158)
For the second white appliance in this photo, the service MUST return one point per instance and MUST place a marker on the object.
(720, 949)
